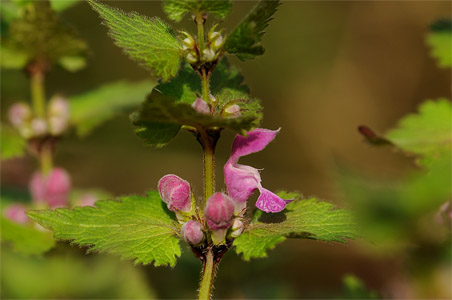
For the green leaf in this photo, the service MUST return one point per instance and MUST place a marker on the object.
(11, 143)
(60, 5)
(26, 239)
(355, 288)
(149, 41)
(440, 40)
(176, 9)
(40, 34)
(307, 218)
(95, 107)
(11, 58)
(245, 40)
(135, 227)
(72, 63)
(428, 133)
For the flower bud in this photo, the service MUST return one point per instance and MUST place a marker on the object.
(19, 114)
(58, 106)
(219, 211)
(201, 106)
(51, 189)
(175, 192)
(16, 213)
(209, 54)
(192, 232)
(237, 228)
(191, 58)
(38, 127)
(232, 110)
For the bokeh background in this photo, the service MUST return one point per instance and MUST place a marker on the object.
(328, 68)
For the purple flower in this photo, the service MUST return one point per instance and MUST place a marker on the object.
(192, 232)
(241, 181)
(175, 192)
(52, 189)
(219, 211)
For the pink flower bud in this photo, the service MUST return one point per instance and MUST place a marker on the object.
(233, 110)
(57, 125)
(52, 189)
(38, 127)
(237, 228)
(58, 106)
(192, 232)
(219, 211)
(175, 192)
(201, 106)
(19, 113)
(16, 213)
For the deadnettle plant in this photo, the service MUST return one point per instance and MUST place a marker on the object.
(200, 92)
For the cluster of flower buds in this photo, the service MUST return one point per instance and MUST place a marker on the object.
(210, 53)
(30, 126)
(51, 189)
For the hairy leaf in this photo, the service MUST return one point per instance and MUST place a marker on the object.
(149, 41)
(26, 239)
(91, 109)
(40, 34)
(135, 227)
(307, 218)
(440, 40)
(176, 9)
(245, 40)
(428, 133)
(11, 143)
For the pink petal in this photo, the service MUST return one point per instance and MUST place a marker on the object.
(175, 192)
(270, 202)
(241, 181)
(256, 141)
(16, 213)
(219, 211)
(201, 106)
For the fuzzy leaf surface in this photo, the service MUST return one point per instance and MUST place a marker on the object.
(26, 239)
(428, 132)
(90, 109)
(40, 34)
(176, 9)
(440, 41)
(149, 41)
(135, 227)
(306, 218)
(11, 143)
(245, 40)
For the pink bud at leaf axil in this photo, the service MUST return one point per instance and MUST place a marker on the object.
(51, 189)
(192, 232)
(201, 106)
(16, 213)
(219, 211)
(19, 114)
(175, 192)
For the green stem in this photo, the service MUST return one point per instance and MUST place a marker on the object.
(208, 145)
(45, 158)
(208, 274)
(205, 86)
(38, 93)
(200, 23)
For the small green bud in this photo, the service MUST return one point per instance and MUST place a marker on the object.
(209, 55)
(191, 57)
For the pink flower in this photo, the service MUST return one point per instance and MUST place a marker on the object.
(241, 181)
(52, 189)
(201, 106)
(16, 213)
(175, 192)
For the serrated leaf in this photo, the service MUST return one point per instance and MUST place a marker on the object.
(440, 40)
(135, 227)
(40, 34)
(11, 143)
(90, 109)
(245, 40)
(428, 133)
(307, 218)
(149, 41)
(176, 9)
(26, 239)
(72, 63)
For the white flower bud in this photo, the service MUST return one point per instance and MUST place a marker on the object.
(189, 42)
(19, 114)
(38, 127)
(57, 125)
(233, 110)
(191, 58)
(209, 54)
(237, 228)
(217, 43)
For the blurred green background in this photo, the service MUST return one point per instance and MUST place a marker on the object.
(328, 68)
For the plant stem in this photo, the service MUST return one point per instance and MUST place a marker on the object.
(200, 23)
(46, 158)
(208, 274)
(208, 143)
(205, 86)
(38, 93)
